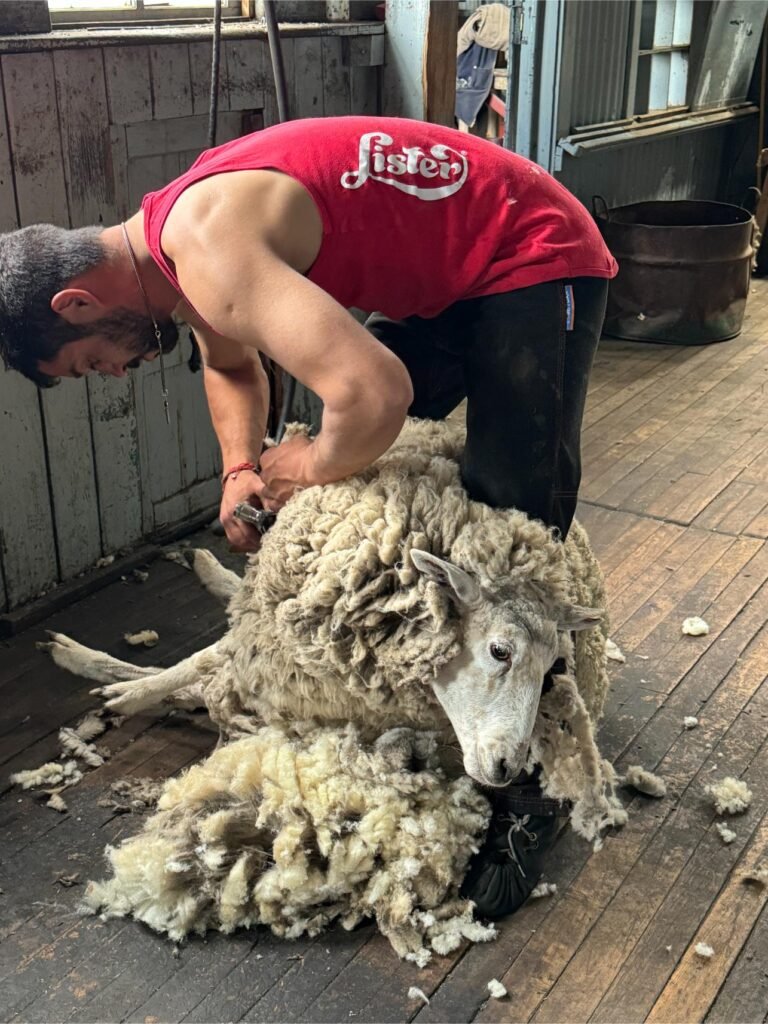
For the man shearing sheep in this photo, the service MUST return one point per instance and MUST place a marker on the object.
(485, 278)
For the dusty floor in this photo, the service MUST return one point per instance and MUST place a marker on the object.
(676, 499)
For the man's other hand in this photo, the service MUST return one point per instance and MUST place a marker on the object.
(284, 470)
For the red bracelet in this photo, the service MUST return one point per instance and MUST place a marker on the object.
(239, 468)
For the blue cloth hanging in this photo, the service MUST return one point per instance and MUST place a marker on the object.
(474, 78)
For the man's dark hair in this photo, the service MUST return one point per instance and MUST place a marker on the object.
(36, 263)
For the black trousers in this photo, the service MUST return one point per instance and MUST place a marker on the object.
(522, 360)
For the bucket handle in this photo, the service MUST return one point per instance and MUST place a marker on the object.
(596, 200)
(751, 199)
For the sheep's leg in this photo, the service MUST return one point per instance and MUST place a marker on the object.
(136, 695)
(90, 664)
(220, 583)
(190, 698)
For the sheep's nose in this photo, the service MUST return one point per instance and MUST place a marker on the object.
(502, 767)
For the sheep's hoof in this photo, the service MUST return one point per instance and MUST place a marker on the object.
(65, 652)
(54, 640)
(114, 690)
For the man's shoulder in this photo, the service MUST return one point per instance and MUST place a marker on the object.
(261, 207)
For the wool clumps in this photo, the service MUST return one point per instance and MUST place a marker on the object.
(730, 795)
(52, 773)
(56, 776)
(72, 744)
(614, 653)
(144, 638)
(297, 832)
(726, 834)
(496, 989)
(645, 782)
(756, 875)
(543, 889)
(416, 993)
(690, 722)
(703, 950)
(131, 795)
(694, 626)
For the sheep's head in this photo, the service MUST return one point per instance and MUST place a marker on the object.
(491, 690)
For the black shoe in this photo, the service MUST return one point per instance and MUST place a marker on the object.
(523, 827)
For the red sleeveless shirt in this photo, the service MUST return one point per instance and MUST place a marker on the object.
(415, 216)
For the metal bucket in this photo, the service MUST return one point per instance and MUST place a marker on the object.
(684, 270)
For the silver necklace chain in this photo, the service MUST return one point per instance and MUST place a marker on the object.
(158, 333)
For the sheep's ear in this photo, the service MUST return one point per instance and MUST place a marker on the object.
(577, 617)
(463, 587)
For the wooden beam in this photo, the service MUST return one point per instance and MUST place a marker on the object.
(439, 62)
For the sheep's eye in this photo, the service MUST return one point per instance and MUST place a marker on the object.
(501, 652)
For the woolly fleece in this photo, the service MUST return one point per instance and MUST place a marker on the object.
(295, 832)
(645, 782)
(323, 675)
(730, 795)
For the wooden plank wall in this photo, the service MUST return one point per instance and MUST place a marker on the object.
(90, 468)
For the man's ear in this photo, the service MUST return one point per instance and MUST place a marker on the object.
(462, 587)
(77, 306)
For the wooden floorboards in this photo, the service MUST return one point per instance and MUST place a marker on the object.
(675, 497)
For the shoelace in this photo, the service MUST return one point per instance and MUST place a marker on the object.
(518, 825)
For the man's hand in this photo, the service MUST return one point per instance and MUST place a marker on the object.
(243, 486)
(284, 470)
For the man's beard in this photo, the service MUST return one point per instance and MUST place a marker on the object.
(137, 332)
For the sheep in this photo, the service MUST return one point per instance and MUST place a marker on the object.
(387, 605)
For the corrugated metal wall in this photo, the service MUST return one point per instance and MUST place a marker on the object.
(705, 164)
(594, 62)
(709, 163)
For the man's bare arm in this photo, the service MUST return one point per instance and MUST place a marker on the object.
(237, 390)
(238, 397)
(239, 282)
